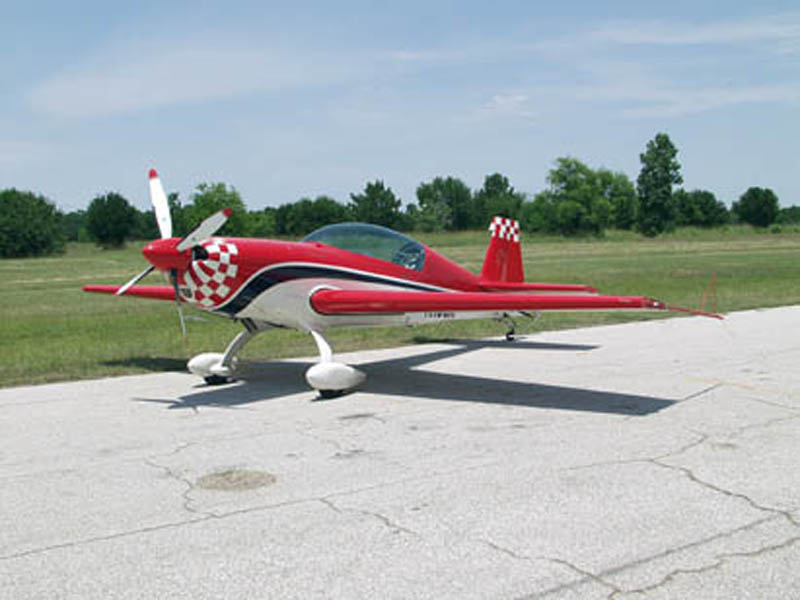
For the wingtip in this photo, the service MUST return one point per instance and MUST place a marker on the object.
(227, 212)
(153, 174)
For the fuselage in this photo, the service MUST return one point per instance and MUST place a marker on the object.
(271, 281)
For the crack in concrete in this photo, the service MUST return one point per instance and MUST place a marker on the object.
(587, 575)
(765, 424)
(150, 461)
(689, 474)
(666, 553)
(584, 574)
(719, 561)
(321, 439)
(387, 522)
(702, 438)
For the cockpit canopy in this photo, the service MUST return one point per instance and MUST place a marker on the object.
(372, 240)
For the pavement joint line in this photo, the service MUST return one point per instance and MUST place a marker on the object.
(775, 404)
(702, 392)
(103, 538)
(794, 395)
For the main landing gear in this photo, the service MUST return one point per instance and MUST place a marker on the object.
(511, 325)
(218, 368)
(328, 377)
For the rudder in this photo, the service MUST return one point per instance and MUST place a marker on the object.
(503, 260)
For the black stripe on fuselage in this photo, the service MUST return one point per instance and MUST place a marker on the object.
(270, 277)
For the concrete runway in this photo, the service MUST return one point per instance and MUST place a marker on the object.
(655, 460)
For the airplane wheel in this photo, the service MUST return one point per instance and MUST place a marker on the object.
(510, 337)
(216, 379)
(328, 394)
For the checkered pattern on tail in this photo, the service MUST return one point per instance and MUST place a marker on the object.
(505, 229)
(209, 280)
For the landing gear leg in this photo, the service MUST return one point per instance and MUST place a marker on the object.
(328, 377)
(512, 327)
(218, 368)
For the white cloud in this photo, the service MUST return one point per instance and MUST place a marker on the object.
(508, 104)
(158, 74)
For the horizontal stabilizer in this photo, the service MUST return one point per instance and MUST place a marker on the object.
(155, 292)
(357, 302)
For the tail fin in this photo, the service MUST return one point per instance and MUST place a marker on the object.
(503, 262)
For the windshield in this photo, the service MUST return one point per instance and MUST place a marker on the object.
(372, 240)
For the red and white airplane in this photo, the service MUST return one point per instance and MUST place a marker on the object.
(344, 275)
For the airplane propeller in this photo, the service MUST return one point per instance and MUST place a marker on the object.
(203, 231)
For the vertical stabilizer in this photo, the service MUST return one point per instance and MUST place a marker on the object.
(503, 262)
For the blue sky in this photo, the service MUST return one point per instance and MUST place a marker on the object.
(285, 100)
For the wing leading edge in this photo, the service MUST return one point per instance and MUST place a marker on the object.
(358, 302)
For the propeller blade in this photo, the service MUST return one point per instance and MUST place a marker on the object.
(173, 275)
(160, 204)
(121, 291)
(205, 230)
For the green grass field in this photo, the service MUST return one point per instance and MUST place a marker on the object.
(52, 331)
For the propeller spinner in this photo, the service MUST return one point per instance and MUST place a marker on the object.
(169, 254)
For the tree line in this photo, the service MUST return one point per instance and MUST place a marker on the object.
(578, 200)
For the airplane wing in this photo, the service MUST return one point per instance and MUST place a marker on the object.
(156, 292)
(358, 302)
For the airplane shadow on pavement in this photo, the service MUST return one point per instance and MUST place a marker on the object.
(260, 382)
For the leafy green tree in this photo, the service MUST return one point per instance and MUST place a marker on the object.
(581, 206)
(75, 226)
(757, 206)
(700, 208)
(454, 195)
(660, 171)
(145, 226)
(578, 200)
(262, 222)
(306, 215)
(496, 198)
(539, 215)
(209, 198)
(110, 219)
(789, 215)
(435, 214)
(179, 214)
(620, 193)
(408, 220)
(30, 225)
(376, 204)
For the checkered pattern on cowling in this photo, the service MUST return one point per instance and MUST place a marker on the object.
(505, 229)
(209, 279)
